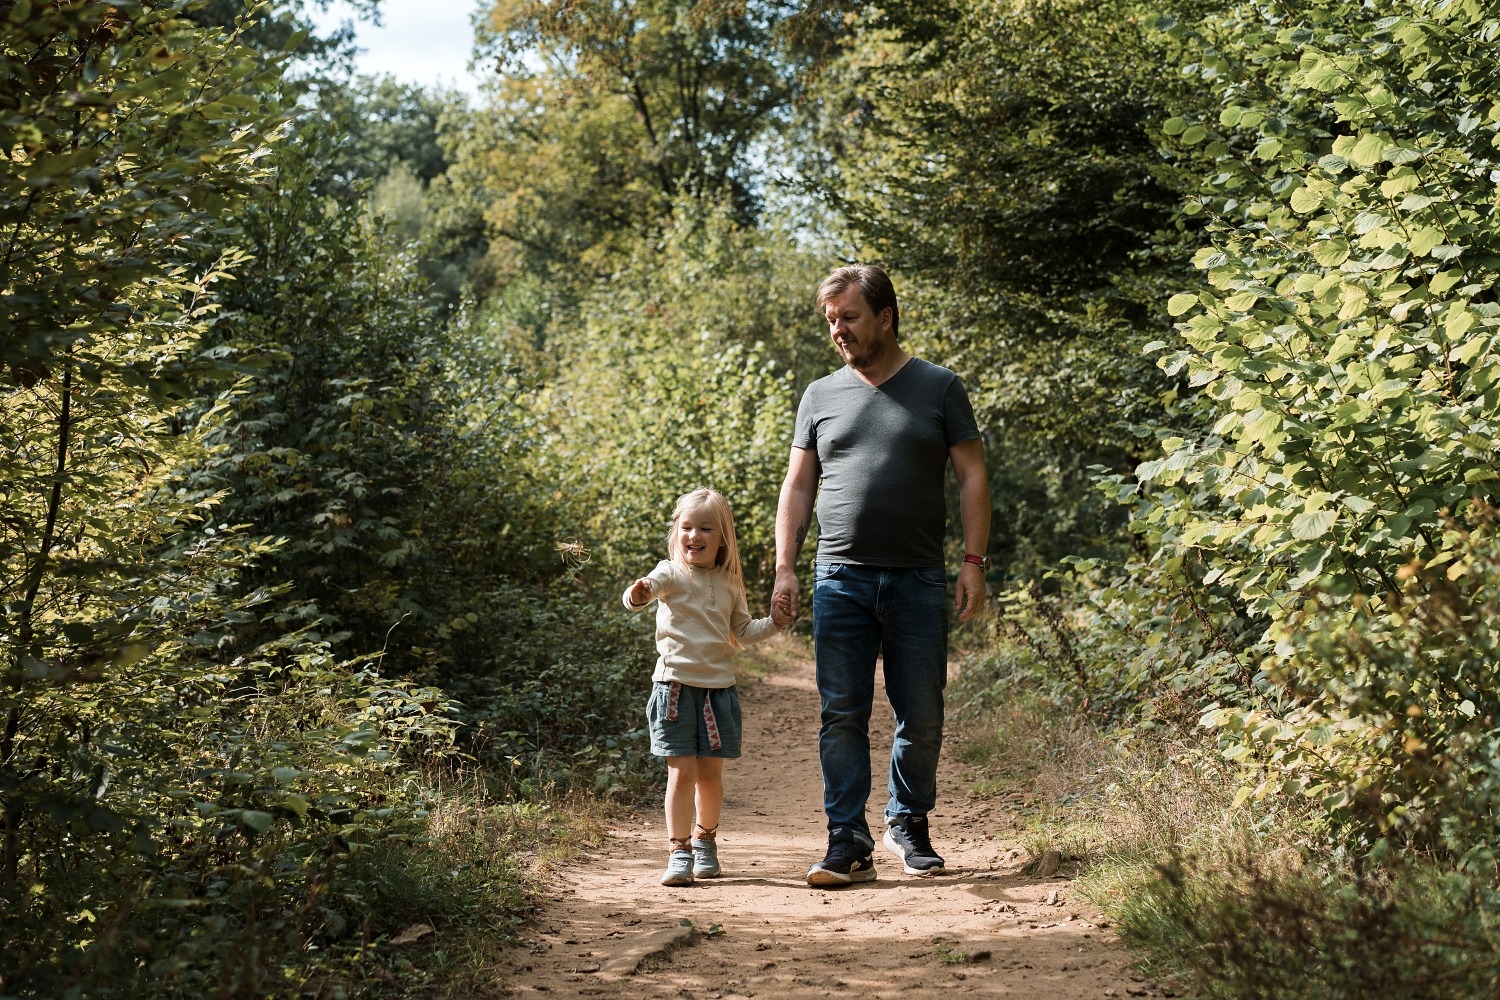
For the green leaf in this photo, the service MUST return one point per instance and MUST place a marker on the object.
(1312, 524)
(1181, 303)
(1458, 321)
(256, 820)
(1469, 350)
(1262, 426)
(1343, 346)
(79, 633)
(1304, 200)
(1424, 239)
(1368, 150)
(1331, 252)
(1440, 283)
(1320, 73)
(1417, 202)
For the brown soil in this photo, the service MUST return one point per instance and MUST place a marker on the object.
(986, 928)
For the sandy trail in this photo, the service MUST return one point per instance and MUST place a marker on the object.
(986, 928)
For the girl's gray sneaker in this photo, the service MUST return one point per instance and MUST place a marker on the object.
(705, 859)
(679, 869)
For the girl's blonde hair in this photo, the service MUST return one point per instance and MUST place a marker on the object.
(723, 519)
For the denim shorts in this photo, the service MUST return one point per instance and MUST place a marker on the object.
(688, 721)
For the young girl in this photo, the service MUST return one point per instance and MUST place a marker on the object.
(694, 711)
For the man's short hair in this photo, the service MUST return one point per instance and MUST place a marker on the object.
(873, 284)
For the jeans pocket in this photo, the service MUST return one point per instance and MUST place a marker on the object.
(932, 577)
(827, 571)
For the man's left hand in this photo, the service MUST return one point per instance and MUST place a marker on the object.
(968, 596)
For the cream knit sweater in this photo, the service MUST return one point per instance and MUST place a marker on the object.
(697, 610)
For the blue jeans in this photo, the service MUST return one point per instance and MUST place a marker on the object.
(902, 615)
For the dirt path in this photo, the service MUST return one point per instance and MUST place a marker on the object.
(986, 928)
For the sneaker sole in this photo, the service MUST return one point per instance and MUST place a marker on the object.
(707, 872)
(895, 849)
(677, 881)
(823, 878)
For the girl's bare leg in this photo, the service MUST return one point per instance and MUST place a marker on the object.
(682, 781)
(709, 788)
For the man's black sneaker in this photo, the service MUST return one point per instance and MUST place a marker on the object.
(847, 861)
(906, 836)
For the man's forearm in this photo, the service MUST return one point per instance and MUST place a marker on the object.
(793, 519)
(973, 497)
(974, 511)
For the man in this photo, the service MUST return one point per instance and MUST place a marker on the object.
(879, 434)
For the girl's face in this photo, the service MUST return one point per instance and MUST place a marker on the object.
(698, 537)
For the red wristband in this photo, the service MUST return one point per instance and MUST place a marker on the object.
(983, 562)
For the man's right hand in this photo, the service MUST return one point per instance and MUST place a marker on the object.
(793, 515)
(785, 591)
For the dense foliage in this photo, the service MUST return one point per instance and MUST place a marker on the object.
(1319, 518)
(261, 499)
(1343, 347)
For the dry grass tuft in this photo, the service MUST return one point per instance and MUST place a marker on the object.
(1117, 802)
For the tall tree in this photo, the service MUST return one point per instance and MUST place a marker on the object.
(1006, 153)
(605, 114)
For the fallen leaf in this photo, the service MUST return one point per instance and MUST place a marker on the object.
(413, 933)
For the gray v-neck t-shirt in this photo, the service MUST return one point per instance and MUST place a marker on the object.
(883, 458)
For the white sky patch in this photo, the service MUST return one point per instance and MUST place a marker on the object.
(425, 42)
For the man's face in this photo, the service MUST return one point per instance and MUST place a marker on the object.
(861, 336)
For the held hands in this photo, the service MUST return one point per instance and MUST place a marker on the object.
(784, 598)
(782, 613)
(640, 593)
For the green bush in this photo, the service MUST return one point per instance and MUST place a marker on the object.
(555, 700)
(1342, 344)
(684, 375)
(1389, 718)
(200, 839)
(218, 758)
